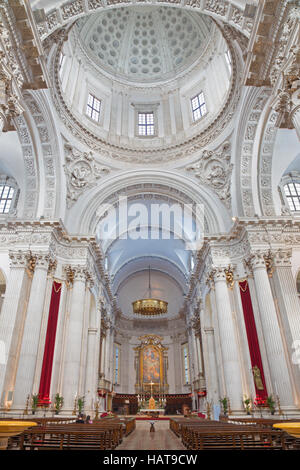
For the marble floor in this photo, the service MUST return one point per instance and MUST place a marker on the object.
(141, 438)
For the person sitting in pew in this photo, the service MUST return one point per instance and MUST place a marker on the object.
(80, 419)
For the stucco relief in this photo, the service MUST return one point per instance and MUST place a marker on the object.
(82, 172)
(45, 135)
(214, 169)
(247, 149)
(265, 158)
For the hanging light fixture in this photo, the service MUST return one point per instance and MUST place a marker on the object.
(150, 307)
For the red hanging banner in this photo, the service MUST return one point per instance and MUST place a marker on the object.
(45, 381)
(256, 362)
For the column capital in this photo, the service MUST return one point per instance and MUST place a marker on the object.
(18, 259)
(219, 274)
(75, 273)
(256, 260)
(261, 260)
(283, 257)
(41, 260)
(52, 267)
(80, 273)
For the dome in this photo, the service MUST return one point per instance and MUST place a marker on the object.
(164, 63)
(145, 43)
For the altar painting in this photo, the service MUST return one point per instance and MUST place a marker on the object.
(151, 365)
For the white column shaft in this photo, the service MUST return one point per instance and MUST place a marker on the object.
(31, 335)
(273, 341)
(73, 344)
(11, 325)
(229, 348)
(211, 371)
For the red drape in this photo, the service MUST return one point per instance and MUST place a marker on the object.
(252, 336)
(46, 373)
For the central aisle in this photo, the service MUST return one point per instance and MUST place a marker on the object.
(142, 439)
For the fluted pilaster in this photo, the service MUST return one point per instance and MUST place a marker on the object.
(289, 307)
(32, 329)
(211, 371)
(228, 340)
(272, 335)
(74, 333)
(12, 319)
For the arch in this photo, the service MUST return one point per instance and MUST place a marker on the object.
(83, 216)
(245, 202)
(168, 268)
(45, 136)
(31, 176)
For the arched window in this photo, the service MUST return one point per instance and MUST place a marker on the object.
(9, 194)
(292, 194)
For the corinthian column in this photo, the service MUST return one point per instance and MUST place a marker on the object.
(108, 345)
(228, 341)
(74, 334)
(289, 307)
(12, 321)
(92, 363)
(32, 329)
(211, 371)
(271, 330)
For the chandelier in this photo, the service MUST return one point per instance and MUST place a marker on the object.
(150, 307)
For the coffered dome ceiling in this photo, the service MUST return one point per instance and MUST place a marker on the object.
(145, 43)
(146, 59)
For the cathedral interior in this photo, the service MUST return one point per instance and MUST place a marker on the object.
(149, 207)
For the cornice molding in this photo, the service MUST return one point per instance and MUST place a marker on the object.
(69, 12)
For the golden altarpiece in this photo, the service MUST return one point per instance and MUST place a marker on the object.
(151, 365)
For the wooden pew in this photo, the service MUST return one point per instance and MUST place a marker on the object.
(199, 434)
(103, 434)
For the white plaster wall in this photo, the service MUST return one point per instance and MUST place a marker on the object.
(163, 288)
(127, 365)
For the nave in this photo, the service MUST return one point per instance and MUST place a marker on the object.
(128, 433)
(141, 438)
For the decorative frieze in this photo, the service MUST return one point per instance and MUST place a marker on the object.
(70, 10)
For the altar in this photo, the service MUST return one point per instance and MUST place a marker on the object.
(151, 412)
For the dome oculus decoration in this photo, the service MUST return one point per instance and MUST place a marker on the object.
(146, 43)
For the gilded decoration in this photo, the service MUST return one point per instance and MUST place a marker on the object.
(151, 365)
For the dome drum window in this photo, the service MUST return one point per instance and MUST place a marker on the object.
(146, 124)
(198, 106)
(146, 121)
(93, 108)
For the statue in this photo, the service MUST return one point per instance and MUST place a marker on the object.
(257, 378)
